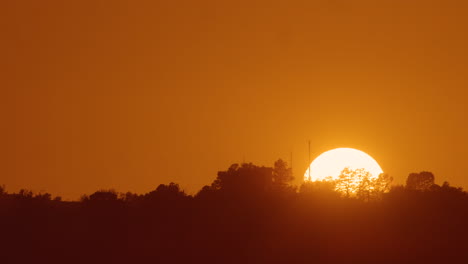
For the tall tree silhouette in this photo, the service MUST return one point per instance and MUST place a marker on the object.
(248, 179)
(351, 182)
(170, 192)
(366, 184)
(282, 174)
(103, 195)
(422, 181)
(360, 183)
(245, 178)
(382, 185)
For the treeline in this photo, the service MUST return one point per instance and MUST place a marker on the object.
(249, 214)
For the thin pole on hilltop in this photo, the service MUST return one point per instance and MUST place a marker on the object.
(309, 163)
(291, 164)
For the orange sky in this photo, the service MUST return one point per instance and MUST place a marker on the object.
(127, 95)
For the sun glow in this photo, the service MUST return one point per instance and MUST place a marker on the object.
(333, 162)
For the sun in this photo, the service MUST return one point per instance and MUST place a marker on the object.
(332, 162)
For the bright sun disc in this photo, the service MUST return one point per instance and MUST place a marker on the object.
(332, 162)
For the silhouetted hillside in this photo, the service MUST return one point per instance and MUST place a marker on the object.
(249, 214)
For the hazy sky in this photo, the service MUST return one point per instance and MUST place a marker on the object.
(128, 95)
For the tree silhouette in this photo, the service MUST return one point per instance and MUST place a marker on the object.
(382, 185)
(43, 196)
(246, 178)
(344, 183)
(170, 192)
(282, 175)
(366, 186)
(103, 195)
(360, 183)
(129, 197)
(25, 194)
(422, 181)
(325, 189)
(353, 182)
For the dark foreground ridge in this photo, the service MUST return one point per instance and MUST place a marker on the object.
(249, 214)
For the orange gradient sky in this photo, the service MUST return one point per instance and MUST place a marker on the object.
(131, 94)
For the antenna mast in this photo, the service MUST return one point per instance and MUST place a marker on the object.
(309, 163)
(291, 164)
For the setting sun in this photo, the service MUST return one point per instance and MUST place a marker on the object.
(332, 162)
